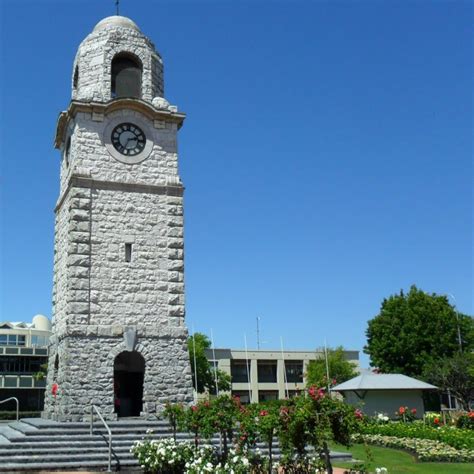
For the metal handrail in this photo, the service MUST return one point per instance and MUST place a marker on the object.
(17, 405)
(93, 407)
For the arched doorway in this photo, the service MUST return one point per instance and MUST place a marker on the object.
(129, 369)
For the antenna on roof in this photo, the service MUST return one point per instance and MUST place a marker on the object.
(258, 333)
(117, 6)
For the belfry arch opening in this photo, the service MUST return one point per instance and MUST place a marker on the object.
(129, 371)
(126, 80)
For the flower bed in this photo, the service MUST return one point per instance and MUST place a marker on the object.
(425, 449)
(449, 435)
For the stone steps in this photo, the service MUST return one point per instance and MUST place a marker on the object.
(35, 445)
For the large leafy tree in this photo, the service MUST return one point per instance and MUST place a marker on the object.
(340, 369)
(454, 374)
(412, 330)
(206, 377)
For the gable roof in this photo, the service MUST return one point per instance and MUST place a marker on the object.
(373, 381)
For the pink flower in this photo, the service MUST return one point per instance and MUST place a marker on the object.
(358, 414)
(413, 411)
(194, 408)
(315, 393)
(263, 413)
(401, 410)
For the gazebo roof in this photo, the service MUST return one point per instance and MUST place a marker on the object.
(383, 382)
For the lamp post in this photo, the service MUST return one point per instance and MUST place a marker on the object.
(457, 319)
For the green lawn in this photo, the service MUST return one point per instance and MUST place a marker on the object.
(397, 461)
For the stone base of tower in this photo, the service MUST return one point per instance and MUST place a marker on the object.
(124, 376)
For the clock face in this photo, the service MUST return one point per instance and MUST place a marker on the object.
(128, 139)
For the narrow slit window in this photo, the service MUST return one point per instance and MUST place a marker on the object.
(128, 252)
(75, 80)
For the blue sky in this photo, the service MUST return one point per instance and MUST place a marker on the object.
(327, 156)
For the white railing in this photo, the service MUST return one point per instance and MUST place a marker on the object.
(17, 404)
(93, 407)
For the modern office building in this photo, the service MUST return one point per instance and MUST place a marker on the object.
(261, 375)
(23, 352)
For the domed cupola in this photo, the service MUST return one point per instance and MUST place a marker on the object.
(117, 60)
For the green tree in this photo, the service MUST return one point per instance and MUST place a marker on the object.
(340, 369)
(197, 345)
(455, 374)
(414, 329)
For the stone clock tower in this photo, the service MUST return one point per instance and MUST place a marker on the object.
(119, 334)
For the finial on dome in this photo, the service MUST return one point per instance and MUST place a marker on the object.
(117, 6)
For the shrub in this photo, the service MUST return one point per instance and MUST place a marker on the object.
(405, 414)
(450, 435)
(466, 421)
(425, 449)
(162, 456)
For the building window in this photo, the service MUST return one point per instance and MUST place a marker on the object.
(75, 80)
(128, 252)
(242, 395)
(39, 341)
(12, 340)
(240, 371)
(294, 371)
(267, 395)
(67, 151)
(20, 365)
(126, 78)
(267, 371)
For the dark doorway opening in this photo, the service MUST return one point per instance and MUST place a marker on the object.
(129, 370)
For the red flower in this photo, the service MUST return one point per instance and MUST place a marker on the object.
(436, 421)
(471, 414)
(358, 414)
(401, 410)
(413, 411)
(54, 389)
(194, 408)
(264, 413)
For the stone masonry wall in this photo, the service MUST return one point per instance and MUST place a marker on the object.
(86, 371)
(94, 60)
(89, 155)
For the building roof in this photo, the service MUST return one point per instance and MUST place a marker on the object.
(116, 21)
(383, 382)
(39, 322)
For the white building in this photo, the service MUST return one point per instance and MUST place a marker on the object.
(261, 375)
(23, 352)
